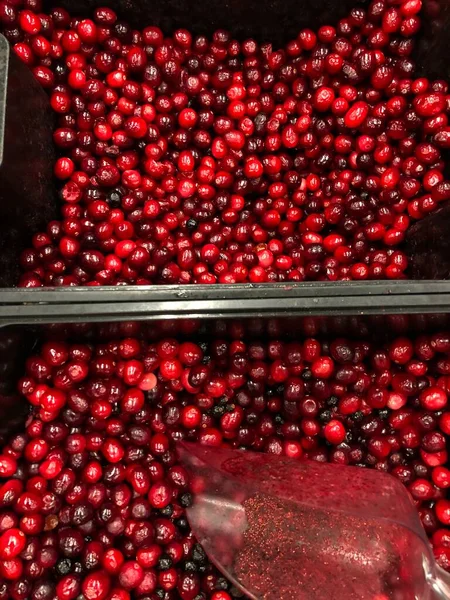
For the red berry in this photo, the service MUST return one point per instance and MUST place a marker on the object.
(322, 367)
(429, 104)
(29, 22)
(96, 586)
(160, 495)
(12, 542)
(443, 511)
(8, 466)
(433, 398)
(356, 115)
(334, 432)
(131, 575)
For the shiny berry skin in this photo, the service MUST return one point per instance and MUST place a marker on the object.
(433, 398)
(334, 432)
(322, 368)
(96, 586)
(356, 115)
(170, 369)
(429, 104)
(29, 22)
(8, 466)
(12, 542)
(443, 511)
(191, 417)
(131, 575)
(401, 351)
(11, 569)
(68, 588)
(441, 477)
(160, 495)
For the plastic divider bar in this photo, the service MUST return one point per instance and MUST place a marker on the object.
(247, 300)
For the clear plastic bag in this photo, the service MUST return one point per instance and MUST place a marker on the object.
(283, 529)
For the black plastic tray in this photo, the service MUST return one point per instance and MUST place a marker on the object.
(211, 302)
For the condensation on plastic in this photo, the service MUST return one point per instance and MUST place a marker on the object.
(321, 530)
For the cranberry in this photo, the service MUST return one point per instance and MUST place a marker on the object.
(441, 477)
(356, 115)
(429, 104)
(96, 586)
(160, 495)
(68, 588)
(8, 466)
(433, 398)
(12, 542)
(322, 368)
(29, 22)
(131, 575)
(443, 511)
(334, 432)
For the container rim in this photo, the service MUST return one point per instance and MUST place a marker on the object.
(4, 62)
(109, 303)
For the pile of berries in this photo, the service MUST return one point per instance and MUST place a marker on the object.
(93, 498)
(210, 160)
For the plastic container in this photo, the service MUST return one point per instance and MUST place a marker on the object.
(20, 340)
(26, 157)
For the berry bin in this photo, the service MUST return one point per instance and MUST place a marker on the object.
(91, 411)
